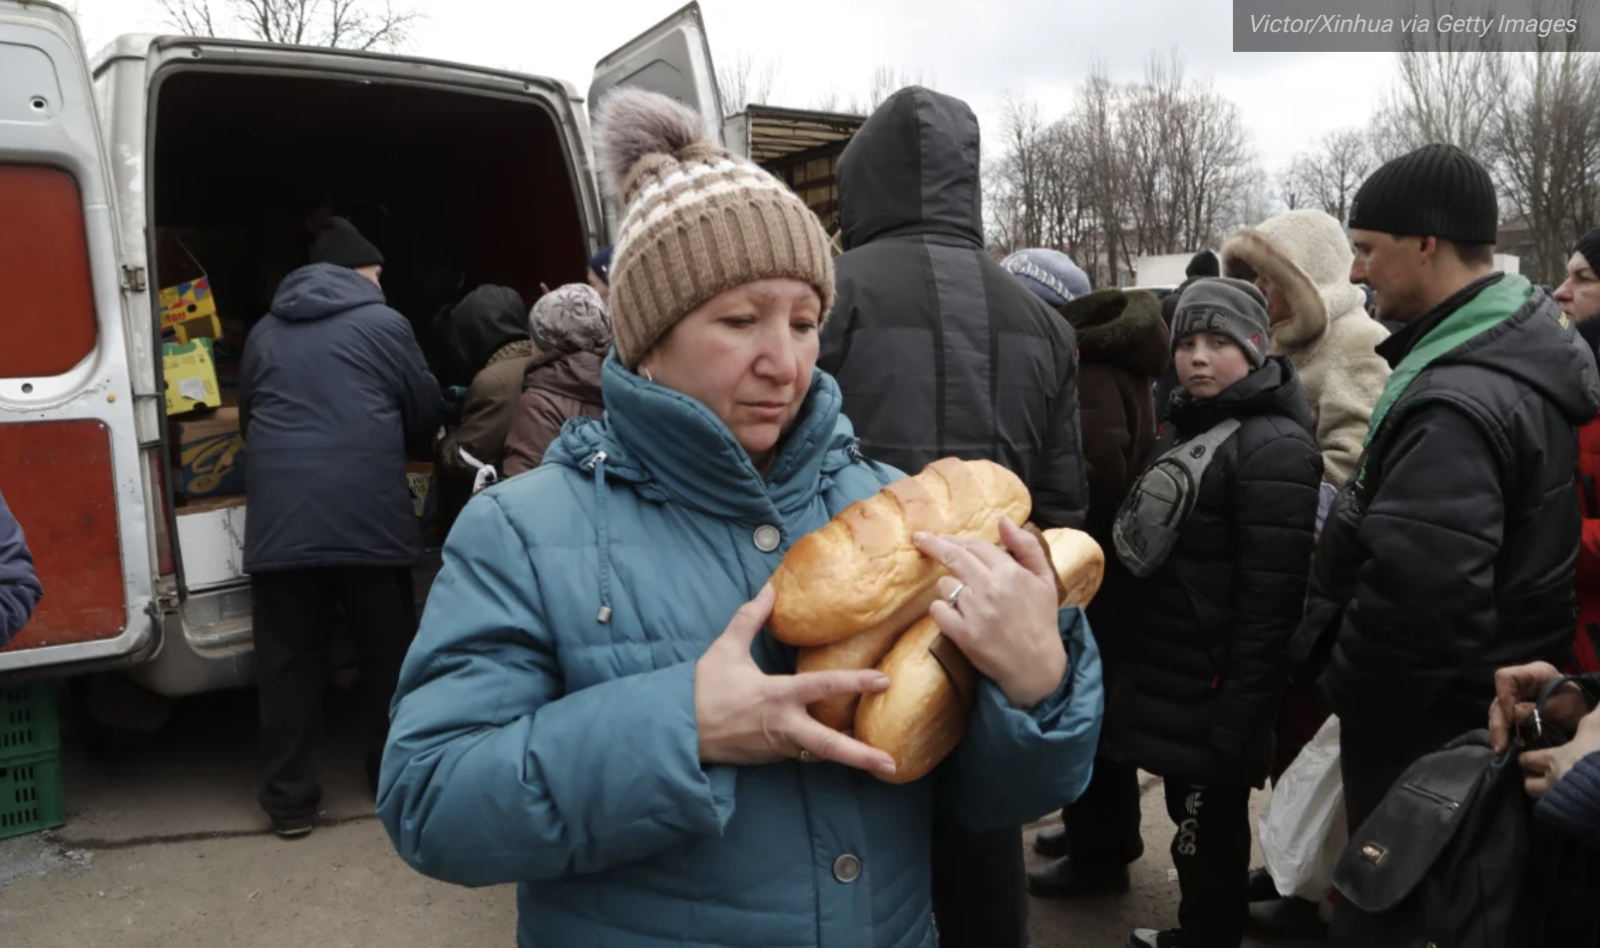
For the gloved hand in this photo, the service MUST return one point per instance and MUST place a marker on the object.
(455, 399)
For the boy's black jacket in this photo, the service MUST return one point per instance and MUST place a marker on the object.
(1196, 652)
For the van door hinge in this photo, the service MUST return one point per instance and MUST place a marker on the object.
(132, 278)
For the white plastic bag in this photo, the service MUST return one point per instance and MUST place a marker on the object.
(1304, 830)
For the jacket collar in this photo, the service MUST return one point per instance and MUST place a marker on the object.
(1400, 344)
(672, 448)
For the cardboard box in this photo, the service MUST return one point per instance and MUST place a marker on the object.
(190, 309)
(419, 478)
(211, 537)
(191, 376)
(211, 456)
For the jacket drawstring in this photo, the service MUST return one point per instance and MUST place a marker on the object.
(598, 463)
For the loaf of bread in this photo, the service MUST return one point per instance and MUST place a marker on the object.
(923, 714)
(860, 572)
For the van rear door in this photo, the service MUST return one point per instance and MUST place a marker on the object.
(69, 453)
(672, 58)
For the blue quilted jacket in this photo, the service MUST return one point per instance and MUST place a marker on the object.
(544, 728)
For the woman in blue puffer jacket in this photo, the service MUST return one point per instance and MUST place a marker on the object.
(569, 717)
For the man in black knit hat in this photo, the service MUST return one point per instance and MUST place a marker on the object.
(333, 391)
(1450, 553)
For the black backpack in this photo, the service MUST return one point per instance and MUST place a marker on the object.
(1453, 858)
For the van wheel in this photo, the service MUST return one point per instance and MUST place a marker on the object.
(111, 712)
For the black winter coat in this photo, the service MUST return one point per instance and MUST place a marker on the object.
(1453, 550)
(332, 387)
(1201, 644)
(937, 349)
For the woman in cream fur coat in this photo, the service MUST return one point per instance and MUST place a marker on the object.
(1301, 261)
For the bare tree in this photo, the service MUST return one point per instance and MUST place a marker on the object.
(888, 80)
(828, 101)
(741, 84)
(1544, 143)
(1328, 175)
(345, 24)
(190, 17)
(1445, 92)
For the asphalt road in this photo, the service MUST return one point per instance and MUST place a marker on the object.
(165, 846)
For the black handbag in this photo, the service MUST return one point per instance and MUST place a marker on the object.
(1452, 858)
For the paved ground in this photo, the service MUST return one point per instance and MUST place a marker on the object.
(164, 846)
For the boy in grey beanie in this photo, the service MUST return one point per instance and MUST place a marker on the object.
(1204, 635)
(1225, 306)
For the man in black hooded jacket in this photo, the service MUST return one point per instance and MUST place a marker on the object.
(939, 352)
(1451, 552)
(333, 390)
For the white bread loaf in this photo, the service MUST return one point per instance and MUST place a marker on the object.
(921, 717)
(861, 571)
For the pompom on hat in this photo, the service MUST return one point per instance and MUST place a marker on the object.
(696, 220)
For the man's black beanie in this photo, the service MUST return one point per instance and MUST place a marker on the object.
(1589, 247)
(340, 243)
(1203, 264)
(1435, 191)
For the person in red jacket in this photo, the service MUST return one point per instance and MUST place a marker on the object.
(1579, 296)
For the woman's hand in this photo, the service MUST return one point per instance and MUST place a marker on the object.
(1004, 618)
(1517, 687)
(747, 717)
(1542, 768)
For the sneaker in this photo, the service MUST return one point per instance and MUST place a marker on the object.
(1261, 886)
(1290, 921)
(293, 827)
(1051, 842)
(1153, 938)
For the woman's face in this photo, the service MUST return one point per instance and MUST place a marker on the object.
(1278, 309)
(1209, 363)
(747, 355)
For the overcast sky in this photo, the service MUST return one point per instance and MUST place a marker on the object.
(979, 50)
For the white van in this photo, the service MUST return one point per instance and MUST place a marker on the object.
(170, 133)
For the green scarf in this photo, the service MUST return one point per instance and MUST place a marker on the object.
(1492, 306)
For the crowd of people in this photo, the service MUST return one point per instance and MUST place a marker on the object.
(1345, 469)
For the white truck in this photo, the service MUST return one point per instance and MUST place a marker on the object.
(169, 132)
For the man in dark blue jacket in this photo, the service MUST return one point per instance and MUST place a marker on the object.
(334, 390)
(19, 585)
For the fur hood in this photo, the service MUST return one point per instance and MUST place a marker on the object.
(1307, 254)
(1123, 328)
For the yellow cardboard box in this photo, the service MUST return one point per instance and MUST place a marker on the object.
(419, 478)
(191, 376)
(211, 453)
(190, 310)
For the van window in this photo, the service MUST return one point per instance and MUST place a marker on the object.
(44, 270)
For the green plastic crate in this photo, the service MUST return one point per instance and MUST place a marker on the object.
(30, 794)
(28, 721)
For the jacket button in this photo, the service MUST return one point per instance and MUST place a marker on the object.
(846, 868)
(768, 538)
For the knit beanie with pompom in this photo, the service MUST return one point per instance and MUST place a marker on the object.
(696, 220)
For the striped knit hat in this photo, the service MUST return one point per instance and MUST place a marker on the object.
(697, 220)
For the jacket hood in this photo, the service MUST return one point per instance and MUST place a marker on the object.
(572, 375)
(670, 447)
(485, 320)
(912, 169)
(1307, 254)
(317, 291)
(1540, 347)
(1273, 389)
(1123, 328)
